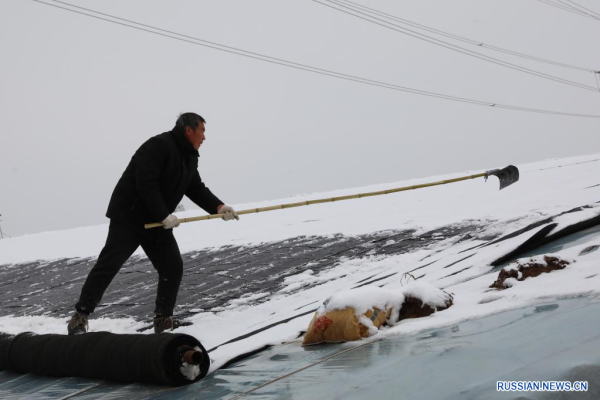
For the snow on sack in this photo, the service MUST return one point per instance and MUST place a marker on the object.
(422, 299)
(359, 313)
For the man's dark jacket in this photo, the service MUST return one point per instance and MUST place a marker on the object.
(160, 173)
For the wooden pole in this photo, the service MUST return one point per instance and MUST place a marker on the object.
(326, 200)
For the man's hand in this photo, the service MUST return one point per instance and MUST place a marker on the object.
(228, 211)
(170, 222)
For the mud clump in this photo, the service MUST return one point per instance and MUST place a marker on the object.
(413, 307)
(531, 269)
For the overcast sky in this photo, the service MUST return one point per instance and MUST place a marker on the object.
(79, 95)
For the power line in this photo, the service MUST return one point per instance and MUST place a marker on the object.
(550, 3)
(290, 64)
(571, 7)
(450, 46)
(467, 40)
(576, 8)
(563, 7)
(583, 8)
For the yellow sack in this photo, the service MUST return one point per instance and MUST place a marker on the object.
(343, 326)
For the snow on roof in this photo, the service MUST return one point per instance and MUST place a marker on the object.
(545, 188)
(462, 266)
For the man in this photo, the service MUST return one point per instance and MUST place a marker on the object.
(160, 173)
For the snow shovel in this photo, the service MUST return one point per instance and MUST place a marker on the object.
(507, 177)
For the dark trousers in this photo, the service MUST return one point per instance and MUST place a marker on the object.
(123, 239)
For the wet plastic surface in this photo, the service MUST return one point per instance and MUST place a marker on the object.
(17, 386)
(586, 236)
(464, 361)
(590, 235)
(554, 341)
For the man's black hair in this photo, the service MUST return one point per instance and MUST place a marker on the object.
(188, 119)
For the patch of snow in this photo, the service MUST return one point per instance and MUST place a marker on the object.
(369, 324)
(427, 293)
(247, 298)
(363, 299)
(572, 218)
(510, 282)
(44, 324)
(190, 371)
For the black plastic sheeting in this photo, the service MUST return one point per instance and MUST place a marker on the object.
(213, 277)
(152, 358)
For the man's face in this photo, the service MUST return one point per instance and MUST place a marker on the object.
(195, 136)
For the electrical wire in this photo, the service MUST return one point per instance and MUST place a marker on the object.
(550, 3)
(257, 56)
(467, 40)
(562, 7)
(571, 7)
(450, 46)
(575, 7)
(592, 12)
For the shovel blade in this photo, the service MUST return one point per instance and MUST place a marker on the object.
(507, 176)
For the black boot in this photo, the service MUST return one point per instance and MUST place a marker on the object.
(162, 323)
(78, 324)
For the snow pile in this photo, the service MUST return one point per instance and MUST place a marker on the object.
(365, 299)
(359, 313)
(368, 298)
(353, 314)
(428, 294)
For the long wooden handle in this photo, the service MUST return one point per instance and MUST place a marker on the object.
(327, 200)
